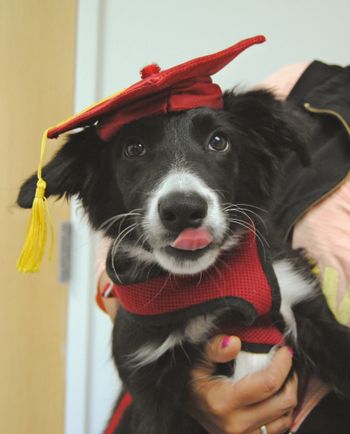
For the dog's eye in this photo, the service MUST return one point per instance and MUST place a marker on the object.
(218, 143)
(135, 149)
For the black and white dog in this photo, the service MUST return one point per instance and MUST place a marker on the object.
(214, 170)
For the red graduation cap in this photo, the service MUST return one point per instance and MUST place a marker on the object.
(182, 87)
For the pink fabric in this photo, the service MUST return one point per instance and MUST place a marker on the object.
(325, 232)
(282, 81)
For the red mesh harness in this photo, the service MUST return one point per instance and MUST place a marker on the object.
(243, 282)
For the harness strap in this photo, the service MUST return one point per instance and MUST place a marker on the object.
(123, 404)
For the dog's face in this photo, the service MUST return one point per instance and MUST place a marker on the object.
(176, 190)
(177, 174)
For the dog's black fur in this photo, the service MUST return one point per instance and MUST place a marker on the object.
(261, 132)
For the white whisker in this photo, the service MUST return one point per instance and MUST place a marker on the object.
(107, 224)
(117, 242)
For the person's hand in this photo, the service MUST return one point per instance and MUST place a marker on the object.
(110, 304)
(260, 399)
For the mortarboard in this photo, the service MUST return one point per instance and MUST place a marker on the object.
(182, 87)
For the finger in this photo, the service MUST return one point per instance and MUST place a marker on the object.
(109, 304)
(208, 389)
(263, 384)
(220, 349)
(273, 408)
(278, 426)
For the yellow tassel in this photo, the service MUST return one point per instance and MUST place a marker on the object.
(33, 250)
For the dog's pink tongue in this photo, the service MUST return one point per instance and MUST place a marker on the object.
(192, 239)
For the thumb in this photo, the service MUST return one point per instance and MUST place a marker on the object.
(223, 348)
(220, 349)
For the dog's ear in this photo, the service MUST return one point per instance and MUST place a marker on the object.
(278, 125)
(69, 172)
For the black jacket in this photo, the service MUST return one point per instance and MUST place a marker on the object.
(323, 93)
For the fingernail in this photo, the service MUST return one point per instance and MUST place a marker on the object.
(226, 342)
(290, 351)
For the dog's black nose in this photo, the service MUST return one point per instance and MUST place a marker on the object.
(178, 210)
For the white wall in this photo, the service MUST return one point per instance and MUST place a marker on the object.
(116, 39)
(136, 33)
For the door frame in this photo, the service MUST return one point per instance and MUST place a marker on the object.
(81, 315)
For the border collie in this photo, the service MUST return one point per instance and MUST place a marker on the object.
(211, 173)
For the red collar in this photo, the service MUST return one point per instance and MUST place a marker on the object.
(244, 282)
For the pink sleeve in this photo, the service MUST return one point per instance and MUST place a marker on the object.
(324, 231)
(282, 81)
